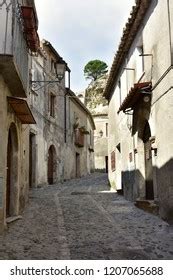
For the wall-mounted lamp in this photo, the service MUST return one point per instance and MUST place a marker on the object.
(146, 98)
(153, 145)
(101, 133)
(59, 75)
(154, 148)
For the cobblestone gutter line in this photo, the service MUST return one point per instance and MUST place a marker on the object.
(65, 252)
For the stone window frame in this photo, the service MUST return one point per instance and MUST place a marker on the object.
(52, 105)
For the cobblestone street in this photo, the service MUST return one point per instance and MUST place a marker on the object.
(81, 219)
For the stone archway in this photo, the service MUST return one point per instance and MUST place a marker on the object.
(12, 172)
(51, 169)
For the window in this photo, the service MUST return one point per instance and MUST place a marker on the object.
(53, 66)
(130, 157)
(106, 129)
(52, 105)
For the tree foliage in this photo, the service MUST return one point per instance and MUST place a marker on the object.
(94, 69)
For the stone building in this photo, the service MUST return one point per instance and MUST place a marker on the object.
(140, 94)
(55, 154)
(79, 144)
(47, 100)
(18, 31)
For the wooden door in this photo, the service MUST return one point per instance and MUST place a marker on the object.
(148, 171)
(106, 163)
(148, 163)
(50, 165)
(77, 165)
(8, 186)
(30, 160)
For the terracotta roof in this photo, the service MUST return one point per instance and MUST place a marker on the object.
(129, 33)
(134, 95)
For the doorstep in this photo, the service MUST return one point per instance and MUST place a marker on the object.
(148, 206)
(13, 219)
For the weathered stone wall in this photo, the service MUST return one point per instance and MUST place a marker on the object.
(76, 114)
(49, 130)
(20, 168)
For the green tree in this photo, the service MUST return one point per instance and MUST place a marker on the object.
(94, 69)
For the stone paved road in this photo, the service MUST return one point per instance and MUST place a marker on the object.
(81, 219)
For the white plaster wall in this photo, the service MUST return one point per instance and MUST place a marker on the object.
(100, 142)
(112, 128)
(156, 42)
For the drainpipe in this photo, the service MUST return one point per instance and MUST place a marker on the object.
(65, 117)
(170, 29)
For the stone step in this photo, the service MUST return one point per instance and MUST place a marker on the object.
(13, 219)
(148, 206)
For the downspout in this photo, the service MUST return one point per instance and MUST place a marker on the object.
(65, 117)
(170, 33)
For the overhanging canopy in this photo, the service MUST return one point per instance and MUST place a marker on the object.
(134, 95)
(22, 110)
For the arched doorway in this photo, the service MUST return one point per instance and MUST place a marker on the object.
(51, 164)
(149, 190)
(12, 172)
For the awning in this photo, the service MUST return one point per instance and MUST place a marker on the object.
(22, 110)
(30, 25)
(134, 95)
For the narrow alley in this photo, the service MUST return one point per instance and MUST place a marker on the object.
(82, 219)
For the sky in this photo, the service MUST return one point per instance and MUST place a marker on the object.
(83, 30)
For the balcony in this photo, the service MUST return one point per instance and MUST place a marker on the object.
(30, 25)
(79, 137)
(14, 48)
(21, 109)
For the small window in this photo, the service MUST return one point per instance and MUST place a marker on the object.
(119, 147)
(53, 66)
(130, 157)
(52, 105)
(106, 129)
